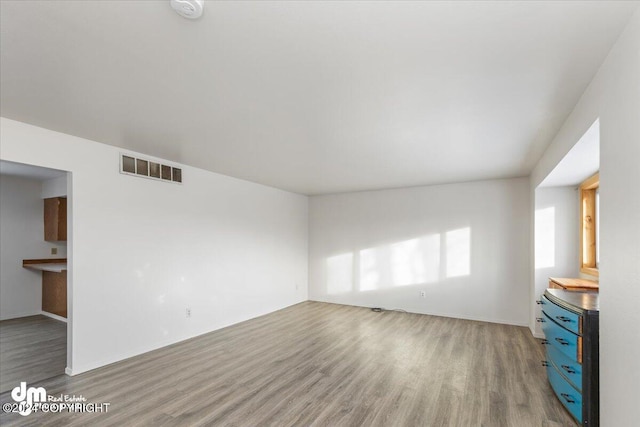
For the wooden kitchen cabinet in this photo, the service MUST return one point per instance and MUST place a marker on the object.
(55, 219)
(54, 293)
(54, 283)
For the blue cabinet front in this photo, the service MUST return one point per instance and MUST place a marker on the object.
(563, 340)
(567, 319)
(569, 368)
(569, 396)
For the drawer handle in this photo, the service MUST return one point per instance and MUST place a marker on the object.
(539, 320)
(569, 369)
(562, 341)
(563, 318)
(568, 398)
(545, 342)
(545, 363)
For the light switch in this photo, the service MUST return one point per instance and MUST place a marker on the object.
(54, 251)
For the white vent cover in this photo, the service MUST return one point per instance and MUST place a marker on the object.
(144, 168)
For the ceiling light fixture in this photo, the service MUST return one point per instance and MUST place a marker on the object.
(191, 9)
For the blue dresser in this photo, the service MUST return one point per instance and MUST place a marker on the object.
(570, 324)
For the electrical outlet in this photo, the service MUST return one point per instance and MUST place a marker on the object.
(423, 294)
(188, 312)
(54, 251)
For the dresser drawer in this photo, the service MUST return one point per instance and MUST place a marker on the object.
(569, 368)
(565, 318)
(560, 338)
(569, 396)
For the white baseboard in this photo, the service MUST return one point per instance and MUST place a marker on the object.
(461, 316)
(54, 316)
(82, 368)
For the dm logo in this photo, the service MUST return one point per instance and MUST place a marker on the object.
(26, 397)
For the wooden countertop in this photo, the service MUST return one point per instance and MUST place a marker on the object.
(55, 265)
(574, 284)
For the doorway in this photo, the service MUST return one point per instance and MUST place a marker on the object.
(33, 267)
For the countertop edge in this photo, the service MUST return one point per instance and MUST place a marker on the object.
(563, 298)
(51, 267)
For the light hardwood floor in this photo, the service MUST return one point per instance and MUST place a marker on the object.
(32, 349)
(324, 365)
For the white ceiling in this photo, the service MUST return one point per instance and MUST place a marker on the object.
(312, 97)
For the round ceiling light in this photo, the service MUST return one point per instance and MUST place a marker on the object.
(191, 9)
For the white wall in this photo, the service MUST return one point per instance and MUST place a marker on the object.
(55, 187)
(556, 225)
(142, 251)
(614, 97)
(382, 248)
(21, 237)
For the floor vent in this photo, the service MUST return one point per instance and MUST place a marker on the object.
(130, 165)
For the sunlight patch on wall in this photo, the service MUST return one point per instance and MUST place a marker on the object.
(407, 266)
(422, 260)
(340, 273)
(431, 248)
(416, 261)
(370, 268)
(458, 243)
(545, 230)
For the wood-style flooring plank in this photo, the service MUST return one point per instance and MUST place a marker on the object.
(32, 349)
(318, 364)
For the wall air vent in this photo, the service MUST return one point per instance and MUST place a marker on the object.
(130, 165)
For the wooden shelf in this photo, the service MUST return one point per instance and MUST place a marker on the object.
(573, 284)
(27, 262)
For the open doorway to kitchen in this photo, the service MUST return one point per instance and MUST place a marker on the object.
(34, 298)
